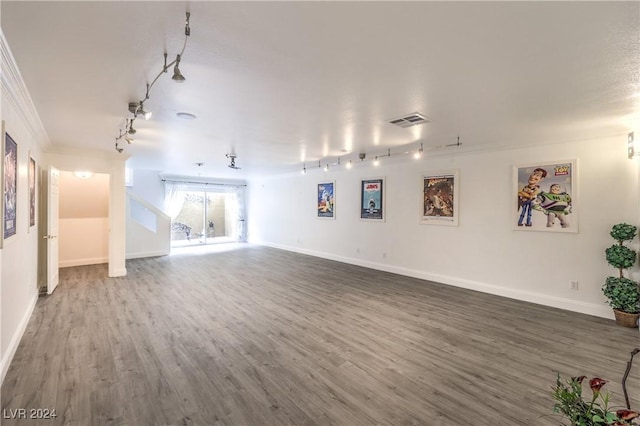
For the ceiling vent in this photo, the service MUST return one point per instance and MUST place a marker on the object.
(409, 120)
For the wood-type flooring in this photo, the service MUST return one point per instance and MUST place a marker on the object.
(260, 336)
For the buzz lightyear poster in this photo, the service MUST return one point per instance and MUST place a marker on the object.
(546, 197)
(372, 199)
(326, 200)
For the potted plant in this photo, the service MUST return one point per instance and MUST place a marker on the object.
(623, 293)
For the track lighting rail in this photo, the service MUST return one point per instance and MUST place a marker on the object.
(137, 108)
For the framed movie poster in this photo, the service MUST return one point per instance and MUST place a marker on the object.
(372, 199)
(10, 184)
(440, 199)
(545, 195)
(2, 182)
(32, 191)
(326, 200)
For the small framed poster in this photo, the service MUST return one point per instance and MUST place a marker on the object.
(372, 199)
(32, 191)
(545, 195)
(439, 204)
(10, 185)
(326, 200)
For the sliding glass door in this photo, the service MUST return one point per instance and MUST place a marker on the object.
(206, 216)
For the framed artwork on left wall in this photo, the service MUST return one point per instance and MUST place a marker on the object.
(2, 183)
(32, 191)
(10, 185)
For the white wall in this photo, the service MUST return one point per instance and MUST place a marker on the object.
(18, 257)
(148, 229)
(83, 241)
(484, 252)
(148, 185)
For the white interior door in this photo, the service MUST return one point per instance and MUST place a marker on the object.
(52, 229)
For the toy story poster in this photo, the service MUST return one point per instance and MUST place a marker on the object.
(326, 200)
(545, 196)
(439, 199)
(371, 199)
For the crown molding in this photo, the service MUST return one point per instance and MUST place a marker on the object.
(15, 92)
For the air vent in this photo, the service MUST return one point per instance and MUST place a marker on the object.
(409, 120)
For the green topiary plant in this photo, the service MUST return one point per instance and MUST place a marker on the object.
(623, 293)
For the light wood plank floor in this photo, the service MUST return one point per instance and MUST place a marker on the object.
(259, 336)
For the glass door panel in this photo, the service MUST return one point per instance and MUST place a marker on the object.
(216, 220)
(188, 228)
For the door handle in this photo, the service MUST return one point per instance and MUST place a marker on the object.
(49, 237)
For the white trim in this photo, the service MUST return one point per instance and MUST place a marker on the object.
(147, 254)
(15, 91)
(556, 302)
(83, 262)
(117, 272)
(15, 340)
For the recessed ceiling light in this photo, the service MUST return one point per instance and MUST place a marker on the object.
(83, 174)
(186, 115)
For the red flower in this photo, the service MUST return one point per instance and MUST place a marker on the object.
(578, 379)
(596, 384)
(627, 414)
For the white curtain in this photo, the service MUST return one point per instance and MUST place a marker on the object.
(174, 194)
(240, 216)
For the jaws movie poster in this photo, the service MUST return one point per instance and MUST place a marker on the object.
(371, 199)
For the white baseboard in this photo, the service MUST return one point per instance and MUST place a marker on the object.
(15, 340)
(83, 262)
(602, 311)
(120, 272)
(147, 254)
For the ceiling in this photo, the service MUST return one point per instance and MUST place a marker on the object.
(282, 83)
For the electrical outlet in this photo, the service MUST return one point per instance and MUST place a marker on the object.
(384, 255)
(574, 285)
(358, 250)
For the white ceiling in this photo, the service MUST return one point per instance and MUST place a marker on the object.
(280, 83)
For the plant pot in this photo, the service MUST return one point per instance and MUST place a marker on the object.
(626, 319)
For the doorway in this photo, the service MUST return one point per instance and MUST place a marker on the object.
(74, 223)
(204, 216)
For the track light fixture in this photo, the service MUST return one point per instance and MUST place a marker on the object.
(177, 75)
(378, 156)
(232, 163)
(130, 128)
(137, 108)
